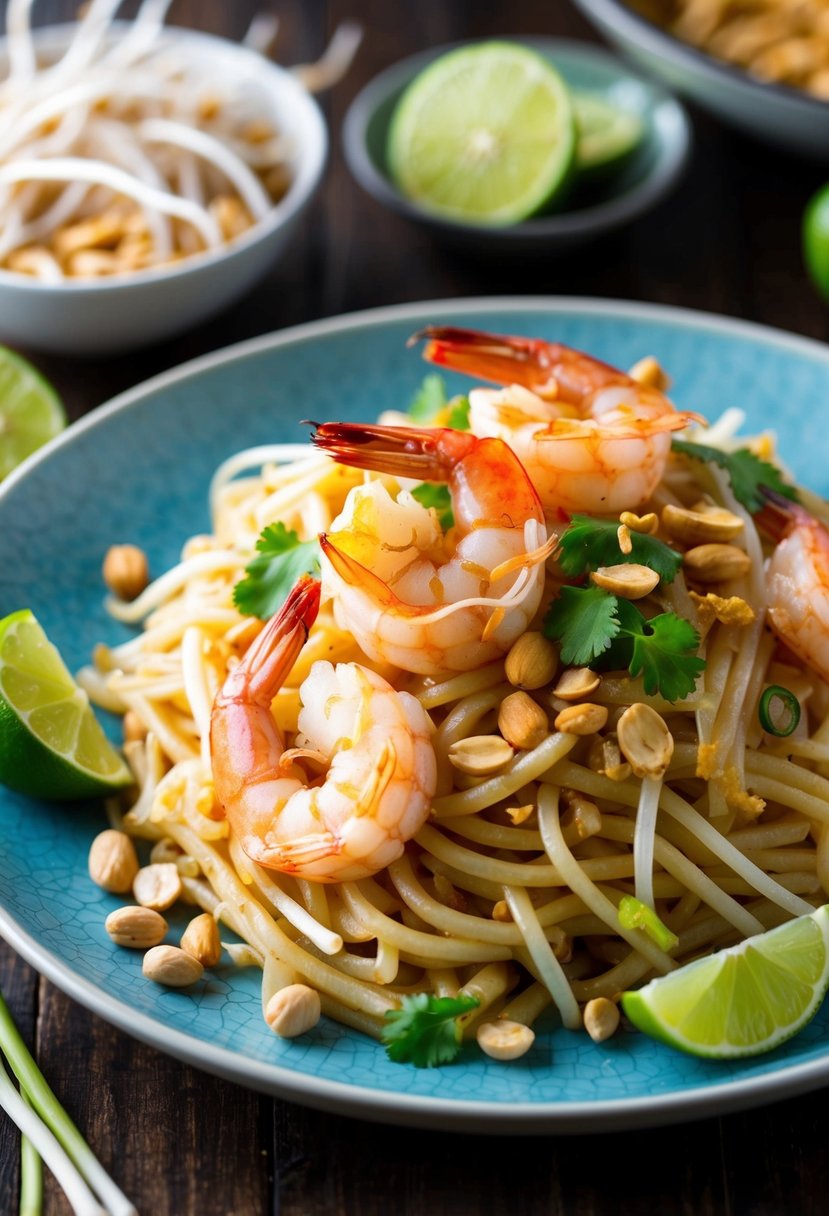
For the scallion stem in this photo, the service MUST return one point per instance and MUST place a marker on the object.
(31, 1177)
(77, 1192)
(55, 1117)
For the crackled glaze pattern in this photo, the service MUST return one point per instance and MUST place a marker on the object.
(140, 473)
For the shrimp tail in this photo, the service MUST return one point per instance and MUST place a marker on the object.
(406, 451)
(778, 514)
(268, 660)
(548, 368)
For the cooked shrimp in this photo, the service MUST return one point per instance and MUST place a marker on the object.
(797, 580)
(373, 742)
(590, 437)
(416, 598)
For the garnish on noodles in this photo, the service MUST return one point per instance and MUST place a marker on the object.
(551, 719)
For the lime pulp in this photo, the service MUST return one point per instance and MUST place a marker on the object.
(607, 134)
(741, 1001)
(51, 744)
(484, 135)
(30, 411)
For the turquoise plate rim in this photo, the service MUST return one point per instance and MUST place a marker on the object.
(492, 1117)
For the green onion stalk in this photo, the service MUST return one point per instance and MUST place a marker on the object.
(50, 1133)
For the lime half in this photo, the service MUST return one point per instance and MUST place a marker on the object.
(741, 1001)
(51, 744)
(30, 411)
(606, 134)
(485, 135)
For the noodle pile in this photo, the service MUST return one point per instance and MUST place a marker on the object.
(510, 892)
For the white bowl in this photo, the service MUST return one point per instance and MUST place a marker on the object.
(113, 314)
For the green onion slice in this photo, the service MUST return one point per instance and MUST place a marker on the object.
(633, 914)
(774, 720)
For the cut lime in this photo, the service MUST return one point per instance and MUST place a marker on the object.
(51, 744)
(741, 1001)
(30, 411)
(816, 240)
(606, 134)
(485, 135)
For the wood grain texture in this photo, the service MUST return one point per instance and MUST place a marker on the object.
(182, 1143)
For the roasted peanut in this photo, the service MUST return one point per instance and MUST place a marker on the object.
(629, 580)
(532, 661)
(171, 966)
(293, 1011)
(504, 1040)
(716, 563)
(585, 719)
(601, 1019)
(125, 571)
(480, 755)
(136, 927)
(522, 721)
(624, 539)
(701, 525)
(645, 740)
(113, 863)
(201, 940)
(650, 373)
(157, 885)
(576, 683)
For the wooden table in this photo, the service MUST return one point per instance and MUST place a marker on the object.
(182, 1142)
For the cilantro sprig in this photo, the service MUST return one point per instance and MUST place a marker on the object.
(589, 543)
(425, 1030)
(592, 624)
(282, 558)
(430, 406)
(746, 472)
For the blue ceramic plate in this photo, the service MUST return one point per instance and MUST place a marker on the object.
(138, 470)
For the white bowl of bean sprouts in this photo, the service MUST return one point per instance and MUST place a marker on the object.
(149, 175)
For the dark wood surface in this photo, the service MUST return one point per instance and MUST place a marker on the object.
(181, 1142)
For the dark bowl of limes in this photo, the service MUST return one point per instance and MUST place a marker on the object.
(516, 144)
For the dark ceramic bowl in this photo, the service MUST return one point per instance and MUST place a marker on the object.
(773, 113)
(645, 179)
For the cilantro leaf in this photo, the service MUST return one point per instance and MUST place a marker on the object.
(589, 543)
(584, 621)
(431, 407)
(591, 624)
(430, 495)
(458, 414)
(746, 472)
(424, 1031)
(282, 557)
(665, 654)
(428, 401)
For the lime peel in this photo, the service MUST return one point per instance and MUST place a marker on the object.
(51, 744)
(741, 1001)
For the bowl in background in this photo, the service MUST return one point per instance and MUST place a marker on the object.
(653, 169)
(771, 112)
(120, 312)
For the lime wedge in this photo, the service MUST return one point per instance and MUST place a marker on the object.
(485, 135)
(606, 134)
(30, 411)
(51, 744)
(741, 1001)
